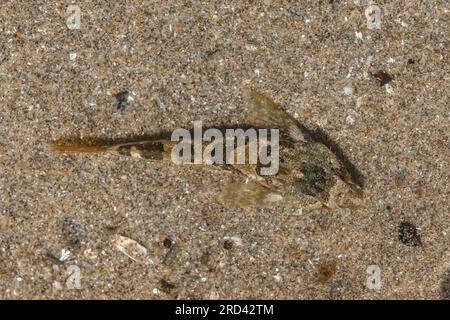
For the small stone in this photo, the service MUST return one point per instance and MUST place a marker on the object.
(389, 88)
(166, 286)
(171, 255)
(90, 254)
(130, 248)
(350, 120)
(228, 244)
(277, 278)
(65, 254)
(325, 271)
(167, 242)
(122, 100)
(236, 240)
(72, 56)
(382, 77)
(408, 234)
(57, 285)
(348, 91)
(73, 231)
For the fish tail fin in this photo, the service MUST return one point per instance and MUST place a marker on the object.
(144, 149)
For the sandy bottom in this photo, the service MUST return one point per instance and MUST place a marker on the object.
(70, 223)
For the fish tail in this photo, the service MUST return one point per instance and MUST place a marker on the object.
(77, 148)
(145, 149)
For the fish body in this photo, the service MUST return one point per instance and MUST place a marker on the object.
(313, 172)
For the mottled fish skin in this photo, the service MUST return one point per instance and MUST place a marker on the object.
(310, 174)
(150, 150)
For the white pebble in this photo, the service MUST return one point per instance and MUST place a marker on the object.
(348, 91)
(237, 240)
(65, 254)
(389, 88)
(350, 120)
(57, 285)
(277, 278)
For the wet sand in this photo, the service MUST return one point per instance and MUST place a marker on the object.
(61, 215)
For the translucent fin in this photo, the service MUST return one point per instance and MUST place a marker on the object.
(249, 195)
(266, 113)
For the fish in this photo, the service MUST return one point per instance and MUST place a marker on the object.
(313, 172)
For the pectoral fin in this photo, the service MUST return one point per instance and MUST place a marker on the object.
(249, 195)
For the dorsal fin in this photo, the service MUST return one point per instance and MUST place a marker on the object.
(266, 113)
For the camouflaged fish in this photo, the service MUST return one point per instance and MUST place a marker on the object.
(313, 171)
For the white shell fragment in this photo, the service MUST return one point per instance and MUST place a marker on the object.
(237, 240)
(389, 88)
(350, 120)
(72, 56)
(130, 248)
(65, 254)
(348, 91)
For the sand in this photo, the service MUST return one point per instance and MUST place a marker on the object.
(61, 216)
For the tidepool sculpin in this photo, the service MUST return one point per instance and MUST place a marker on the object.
(313, 171)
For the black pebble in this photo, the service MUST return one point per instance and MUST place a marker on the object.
(227, 244)
(382, 77)
(408, 234)
(122, 100)
(167, 242)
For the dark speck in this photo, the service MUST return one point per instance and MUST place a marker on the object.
(73, 232)
(167, 243)
(204, 259)
(227, 244)
(166, 286)
(211, 53)
(411, 61)
(325, 271)
(122, 100)
(408, 234)
(382, 77)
